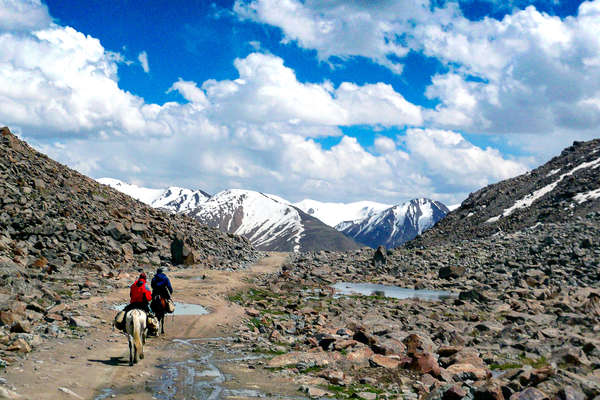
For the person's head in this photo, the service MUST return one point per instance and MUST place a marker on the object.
(143, 276)
(159, 271)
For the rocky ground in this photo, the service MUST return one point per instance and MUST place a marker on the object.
(66, 238)
(524, 322)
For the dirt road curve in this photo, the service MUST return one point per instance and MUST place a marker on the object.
(96, 366)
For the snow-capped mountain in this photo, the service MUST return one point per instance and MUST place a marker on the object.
(334, 213)
(566, 187)
(180, 200)
(269, 222)
(395, 225)
(145, 195)
(174, 199)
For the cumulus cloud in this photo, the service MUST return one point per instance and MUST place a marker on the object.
(60, 89)
(340, 28)
(23, 15)
(538, 73)
(143, 59)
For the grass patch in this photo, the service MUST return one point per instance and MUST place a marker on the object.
(342, 392)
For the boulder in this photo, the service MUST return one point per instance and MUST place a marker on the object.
(451, 272)
(116, 230)
(380, 256)
(177, 250)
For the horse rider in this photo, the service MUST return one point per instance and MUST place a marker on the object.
(139, 295)
(161, 285)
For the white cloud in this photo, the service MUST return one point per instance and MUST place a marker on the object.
(60, 88)
(384, 145)
(23, 15)
(143, 59)
(342, 28)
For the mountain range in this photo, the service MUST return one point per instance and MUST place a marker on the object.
(273, 223)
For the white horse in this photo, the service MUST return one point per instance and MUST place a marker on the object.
(135, 324)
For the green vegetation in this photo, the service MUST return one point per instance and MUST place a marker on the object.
(343, 392)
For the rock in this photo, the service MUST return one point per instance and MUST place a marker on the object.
(366, 395)
(70, 227)
(21, 326)
(463, 372)
(253, 312)
(314, 392)
(127, 251)
(116, 230)
(473, 294)
(138, 228)
(380, 256)
(447, 392)
(360, 356)
(80, 322)
(20, 345)
(417, 343)
(6, 393)
(389, 346)
(569, 393)
(425, 363)
(70, 392)
(177, 250)
(293, 358)
(490, 390)
(451, 272)
(189, 258)
(8, 317)
(378, 360)
(529, 394)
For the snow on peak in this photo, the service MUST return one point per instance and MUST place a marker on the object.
(333, 214)
(145, 195)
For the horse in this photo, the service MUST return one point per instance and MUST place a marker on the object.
(159, 307)
(135, 325)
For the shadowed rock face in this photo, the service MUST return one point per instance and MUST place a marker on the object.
(566, 187)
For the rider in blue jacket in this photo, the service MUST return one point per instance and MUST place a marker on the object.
(161, 285)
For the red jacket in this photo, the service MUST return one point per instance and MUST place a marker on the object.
(138, 292)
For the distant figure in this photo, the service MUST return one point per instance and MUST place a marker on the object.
(161, 285)
(139, 295)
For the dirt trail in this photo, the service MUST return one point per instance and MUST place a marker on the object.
(97, 365)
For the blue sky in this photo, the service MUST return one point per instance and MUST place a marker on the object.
(335, 101)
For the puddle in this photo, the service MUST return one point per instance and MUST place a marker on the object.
(180, 309)
(396, 292)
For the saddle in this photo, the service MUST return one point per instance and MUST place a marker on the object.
(162, 304)
(151, 322)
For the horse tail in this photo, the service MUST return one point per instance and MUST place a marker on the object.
(137, 335)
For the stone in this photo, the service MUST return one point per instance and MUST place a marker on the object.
(360, 356)
(451, 272)
(380, 256)
(366, 395)
(189, 258)
(21, 326)
(177, 250)
(138, 228)
(417, 343)
(529, 394)
(80, 322)
(425, 363)
(8, 317)
(20, 345)
(569, 393)
(116, 230)
(463, 372)
(70, 227)
(378, 360)
(294, 358)
(490, 390)
(127, 251)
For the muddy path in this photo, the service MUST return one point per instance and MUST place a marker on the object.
(198, 358)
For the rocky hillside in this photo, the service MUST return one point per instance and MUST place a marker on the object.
(269, 222)
(520, 321)
(564, 188)
(64, 236)
(395, 225)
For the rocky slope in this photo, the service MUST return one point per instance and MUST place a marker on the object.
(64, 237)
(269, 222)
(564, 188)
(521, 321)
(395, 225)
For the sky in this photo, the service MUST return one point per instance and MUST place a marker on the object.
(350, 100)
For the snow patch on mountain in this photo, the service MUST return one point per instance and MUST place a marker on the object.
(334, 214)
(145, 195)
(174, 199)
(395, 225)
(262, 218)
(529, 199)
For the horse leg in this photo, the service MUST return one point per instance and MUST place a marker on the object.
(130, 350)
(137, 339)
(162, 324)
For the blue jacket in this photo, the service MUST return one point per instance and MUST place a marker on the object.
(161, 285)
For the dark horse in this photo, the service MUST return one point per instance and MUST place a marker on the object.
(159, 307)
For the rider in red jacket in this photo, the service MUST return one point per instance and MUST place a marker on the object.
(139, 295)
